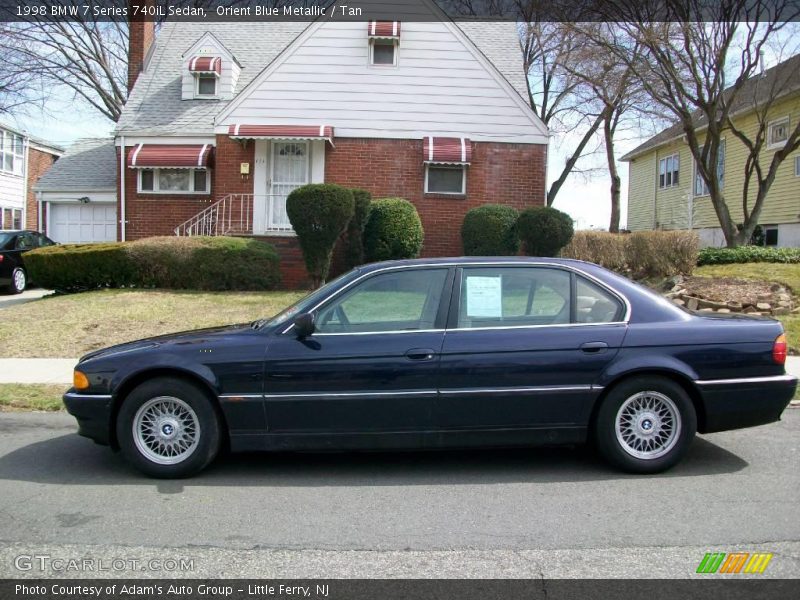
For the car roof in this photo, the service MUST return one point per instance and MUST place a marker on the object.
(473, 260)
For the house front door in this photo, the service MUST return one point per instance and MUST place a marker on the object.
(289, 170)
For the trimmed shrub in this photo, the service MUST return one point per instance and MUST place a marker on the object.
(354, 236)
(76, 267)
(319, 213)
(544, 230)
(644, 254)
(490, 230)
(200, 263)
(605, 249)
(393, 230)
(653, 254)
(747, 254)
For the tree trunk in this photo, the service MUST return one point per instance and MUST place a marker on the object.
(616, 185)
(570, 164)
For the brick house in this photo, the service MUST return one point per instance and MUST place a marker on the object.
(225, 119)
(23, 161)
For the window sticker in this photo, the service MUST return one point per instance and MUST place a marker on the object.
(484, 297)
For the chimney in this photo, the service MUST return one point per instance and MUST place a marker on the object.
(141, 33)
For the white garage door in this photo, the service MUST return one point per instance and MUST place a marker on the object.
(83, 223)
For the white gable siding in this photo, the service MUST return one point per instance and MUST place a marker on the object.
(439, 87)
(208, 46)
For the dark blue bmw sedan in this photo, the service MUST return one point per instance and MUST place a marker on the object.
(441, 353)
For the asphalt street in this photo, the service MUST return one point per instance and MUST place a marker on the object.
(504, 513)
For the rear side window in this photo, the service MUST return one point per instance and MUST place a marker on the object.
(594, 304)
(514, 296)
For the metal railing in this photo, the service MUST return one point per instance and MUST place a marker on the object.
(242, 214)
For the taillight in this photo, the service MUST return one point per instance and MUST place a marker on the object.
(2, 256)
(779, 350)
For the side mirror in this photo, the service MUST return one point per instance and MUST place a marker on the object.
(304, 325)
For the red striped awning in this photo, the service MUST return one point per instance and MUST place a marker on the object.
(451, 151)
(383, 29)
(282, 132)
(206, 64)
(146, 156)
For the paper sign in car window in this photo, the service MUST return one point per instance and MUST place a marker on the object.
(484, 297)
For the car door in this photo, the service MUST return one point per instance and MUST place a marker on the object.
(371, 364)
(524, 347)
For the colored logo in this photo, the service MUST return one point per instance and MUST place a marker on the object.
(735, 562)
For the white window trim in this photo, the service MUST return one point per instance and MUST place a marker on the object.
(371, 54)
(155, 189)
(658, 174)
(198, 95)
(781, 144)
(463, 169)
(19, 158)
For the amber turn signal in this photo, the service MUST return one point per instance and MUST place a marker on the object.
(79, 380)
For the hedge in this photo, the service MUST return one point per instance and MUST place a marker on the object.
(199, 263)
(544, 230)
(643, 254)
(490, 230)
(354, 235)
(393, 231)
(747, 254)
(319, 214)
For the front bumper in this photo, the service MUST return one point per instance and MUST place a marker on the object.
(744, 402)
(93, 413)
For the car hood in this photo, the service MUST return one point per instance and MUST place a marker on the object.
(195, 336)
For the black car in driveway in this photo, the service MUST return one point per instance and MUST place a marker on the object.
(441, 353)
(13, 244)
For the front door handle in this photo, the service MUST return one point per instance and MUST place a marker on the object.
(594, 347)
(420, 354)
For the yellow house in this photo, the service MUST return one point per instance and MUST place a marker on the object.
(665, 192)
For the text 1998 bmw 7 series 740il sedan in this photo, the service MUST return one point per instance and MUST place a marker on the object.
(437, 353)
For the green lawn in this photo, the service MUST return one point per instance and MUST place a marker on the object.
(786, 274)
(69, 326)
(17, 396)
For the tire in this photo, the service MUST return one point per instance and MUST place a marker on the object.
(19, 281)
(645, 424)
(169, 428)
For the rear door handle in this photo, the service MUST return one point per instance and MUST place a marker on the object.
(594, 347)
(420, 354)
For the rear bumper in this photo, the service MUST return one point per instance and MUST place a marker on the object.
(744, 402)
(93, 413)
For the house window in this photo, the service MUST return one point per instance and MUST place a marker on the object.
(11, 152)
(668, 171)
(770, 235)
(383, 52)
(206, 85)
(441, 179)
(174, 181)
(777, 133)
(797, 166)
(700, 187)
(17, 219)
(6, 219)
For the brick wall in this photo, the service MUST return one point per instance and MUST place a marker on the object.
(38, 163)
(141, 34)
(511, 174)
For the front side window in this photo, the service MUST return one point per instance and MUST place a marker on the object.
(395, 301)
(181, 181)
(383, 53)
(206, 85)
(700, 186)
(669, 171)
(440, 179)
(778, 133)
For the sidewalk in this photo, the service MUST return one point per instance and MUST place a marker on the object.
(59, 370)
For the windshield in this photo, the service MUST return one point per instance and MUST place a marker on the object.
(306, 303)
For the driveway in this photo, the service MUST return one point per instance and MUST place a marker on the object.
(7, 300)
(510, 513)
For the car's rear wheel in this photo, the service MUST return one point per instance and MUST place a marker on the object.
(645, 424)
(19, 281)
(168, 428)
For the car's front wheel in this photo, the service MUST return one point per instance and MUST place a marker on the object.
(19, 281)
(168, 428)
(645, 424)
